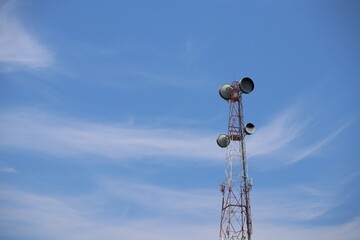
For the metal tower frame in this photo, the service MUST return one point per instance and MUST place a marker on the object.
(236, 221)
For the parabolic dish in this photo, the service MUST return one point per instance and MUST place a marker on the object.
(246, 85)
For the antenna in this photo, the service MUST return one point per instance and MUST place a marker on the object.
(236, 222)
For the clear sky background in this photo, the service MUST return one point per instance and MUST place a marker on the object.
(109, 112)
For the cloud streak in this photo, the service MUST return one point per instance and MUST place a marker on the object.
(276, 135)
(169, 203)
(280, 142)
(288, 138)
(321, 143)
(18, 48)
(292, 204)
(34, 130)
(27, 214)
(7, 170)
(348, 231)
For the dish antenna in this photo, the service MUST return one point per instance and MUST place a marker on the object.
(223, 140)
(246, 85)
(225, 91)
(249, 128)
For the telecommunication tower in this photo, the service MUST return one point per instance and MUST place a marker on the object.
(236, 222)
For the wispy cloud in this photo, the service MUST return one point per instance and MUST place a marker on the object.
(17, 45)
(281, 142)
(285, 212)
(28, 214)
(39, 131)
(276, 135)
(7, 170)
(25, 214)
(193, 48)
(321, 143)
(292, 204)
(348, 231)
(197, 203)
(289, 138)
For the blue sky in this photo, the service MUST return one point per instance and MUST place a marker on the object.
(109, 111)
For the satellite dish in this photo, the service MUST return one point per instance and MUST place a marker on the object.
(223, 140)
(225, 91)
(246, 85)
(249, 128)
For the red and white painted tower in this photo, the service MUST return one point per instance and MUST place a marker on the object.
(236, 222)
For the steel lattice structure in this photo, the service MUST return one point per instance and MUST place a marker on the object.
(236, 221)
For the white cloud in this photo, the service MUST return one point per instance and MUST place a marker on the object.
(193, 48)
(288, 138)
(321, 143)
(34, 130)
(295, 203)
(7, 170)
(279, 142)
(347, 231)
(17, 46)
(25, 214)
(195, 203)
(276, 135)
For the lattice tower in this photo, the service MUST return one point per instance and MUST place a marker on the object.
(236, 221)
